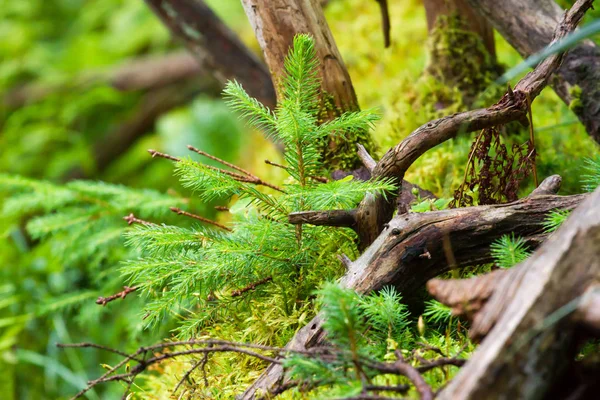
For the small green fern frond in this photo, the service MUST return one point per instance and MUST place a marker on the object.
(591, 180)
(508, 251)
(255, 113)
(437, 312)
(554, 219)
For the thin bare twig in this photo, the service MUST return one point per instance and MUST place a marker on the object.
(121, 295)
(132, 219)
(251, 286)
(155, 153)
(179, 211)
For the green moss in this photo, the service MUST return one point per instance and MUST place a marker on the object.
(339, 150)
(458, 57)
(576, 105)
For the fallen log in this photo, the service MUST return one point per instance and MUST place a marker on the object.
(531, 314)
(413, 248)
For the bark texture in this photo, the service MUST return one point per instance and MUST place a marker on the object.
(528, 27)
(530, 315)
(275, 24)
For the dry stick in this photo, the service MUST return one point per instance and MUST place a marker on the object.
(143, 364)
(155, 153)
(217, 159)
(179, 211)
(414, 376)
(189, 372)
(250, 177)
(532, 139)
(121, 295)
(132, 219)
(222, 208)
(251, 286)
(366, 158)
(95, 346)
(276, 164)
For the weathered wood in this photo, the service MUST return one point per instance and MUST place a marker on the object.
(588, 312)
(528, 27)
(341, 218)
(373, 213)
(275, 24)
(216, 47)
(530, 315)
(411, 250)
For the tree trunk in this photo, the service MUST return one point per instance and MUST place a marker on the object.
(275, 24)
(479, 26)
(528, 25)
(462, 51)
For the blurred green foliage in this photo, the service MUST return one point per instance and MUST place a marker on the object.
(46, 297)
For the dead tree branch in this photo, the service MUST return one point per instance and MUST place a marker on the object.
(527, 26)
(530, 316)
(374, 212)
(121, 295)
(145, 357)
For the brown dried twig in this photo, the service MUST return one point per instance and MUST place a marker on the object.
(251, 286)
(132, 219)
(121, 295)
(246, 175)
(179, 211)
